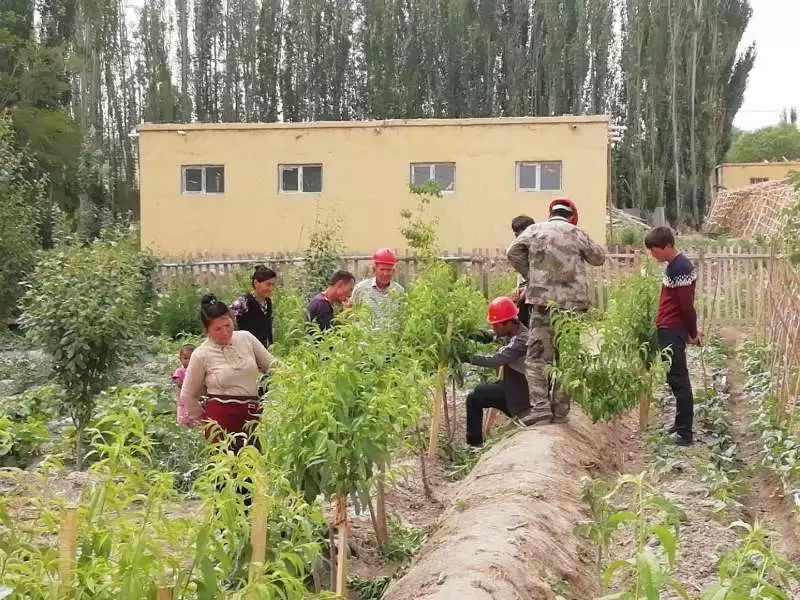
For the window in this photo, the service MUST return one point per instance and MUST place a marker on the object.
(203, 180)
(758, 180)
(300, 178)
(442, 173)
(538, 176)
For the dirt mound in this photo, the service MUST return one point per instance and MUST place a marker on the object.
(509, 532)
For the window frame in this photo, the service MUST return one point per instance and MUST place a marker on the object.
(538, 164)
(432, 173)
(203, 191)
(299, 166)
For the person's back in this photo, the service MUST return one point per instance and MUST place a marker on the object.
(552, 254)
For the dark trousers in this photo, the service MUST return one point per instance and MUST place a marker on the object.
(678, 378)
(510, 396)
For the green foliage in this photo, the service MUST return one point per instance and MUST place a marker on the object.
(368, 589)
(323, 254)
(653, 521)
(420, 229)
(176, 312)
(441, 312)
(85, 309)
(606, 363)
(21, 196)
(131, 536)
(790, 236)
(404, 542)
(753, 570)
(628, 236)
(20, 440)
(343, 401)
(289, 307)
(458, 458)
(776, 143)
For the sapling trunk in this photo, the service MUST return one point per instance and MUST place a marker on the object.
(454, 411)
(426, 486)
(67, 547)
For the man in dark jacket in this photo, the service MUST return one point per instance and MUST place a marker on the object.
(511, 394)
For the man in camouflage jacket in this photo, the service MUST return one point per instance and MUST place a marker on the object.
(551, 256)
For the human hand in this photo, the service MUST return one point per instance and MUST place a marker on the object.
(697, 340)
(347, 303)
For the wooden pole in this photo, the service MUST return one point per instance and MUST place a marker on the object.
(436, 409)
(67, 547)
(491, 414)
(382, 529)
(644, 413)
(258, 533)
(164, 593)
(341, 558)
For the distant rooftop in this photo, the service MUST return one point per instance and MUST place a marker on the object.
(564, 119)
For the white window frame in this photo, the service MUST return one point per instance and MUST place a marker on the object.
(202, 192)
(538, 164)
(299, 166)
(432, 173)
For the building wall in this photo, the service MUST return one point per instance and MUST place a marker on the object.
(732, 176)
(365, 181)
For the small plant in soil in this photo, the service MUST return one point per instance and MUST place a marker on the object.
(653, 521)
(753, 570)
(369, 589)
(405, 540)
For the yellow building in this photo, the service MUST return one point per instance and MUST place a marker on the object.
(253, 188)
(732, 176)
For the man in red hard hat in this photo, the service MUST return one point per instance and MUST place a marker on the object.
(511, 395)
(552, 256)
(376, 291)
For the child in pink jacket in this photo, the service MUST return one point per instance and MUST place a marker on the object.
(178, 376)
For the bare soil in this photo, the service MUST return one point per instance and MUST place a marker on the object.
(509, 531)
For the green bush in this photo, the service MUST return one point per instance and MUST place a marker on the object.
(85, 309)
(176, 311)
(19, 440)
(20, 200)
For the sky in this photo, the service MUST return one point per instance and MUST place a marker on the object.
(774, 83)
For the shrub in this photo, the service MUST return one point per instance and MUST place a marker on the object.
(176, 311)
(20, 199)
(84, 308)
(323, 254)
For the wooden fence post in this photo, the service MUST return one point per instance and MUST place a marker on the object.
(67, 547)
(341, 558)
(258, 532)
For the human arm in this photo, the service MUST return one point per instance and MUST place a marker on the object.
(507, 354)
(517, 255)
(264, 359)
(685, 296)
(193, 386)
(591, 252)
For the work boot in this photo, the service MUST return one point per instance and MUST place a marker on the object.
(535, 414)
(681, 439)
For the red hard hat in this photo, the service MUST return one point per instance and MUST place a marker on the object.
(501, 309)
(384, 256)
(568, 204)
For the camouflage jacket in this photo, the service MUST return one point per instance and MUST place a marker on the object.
(550, 255)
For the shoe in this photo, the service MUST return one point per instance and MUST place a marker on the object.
(671, 429)
(681, 440)
(535, 414)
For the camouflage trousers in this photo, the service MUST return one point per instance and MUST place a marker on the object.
(541, 354)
